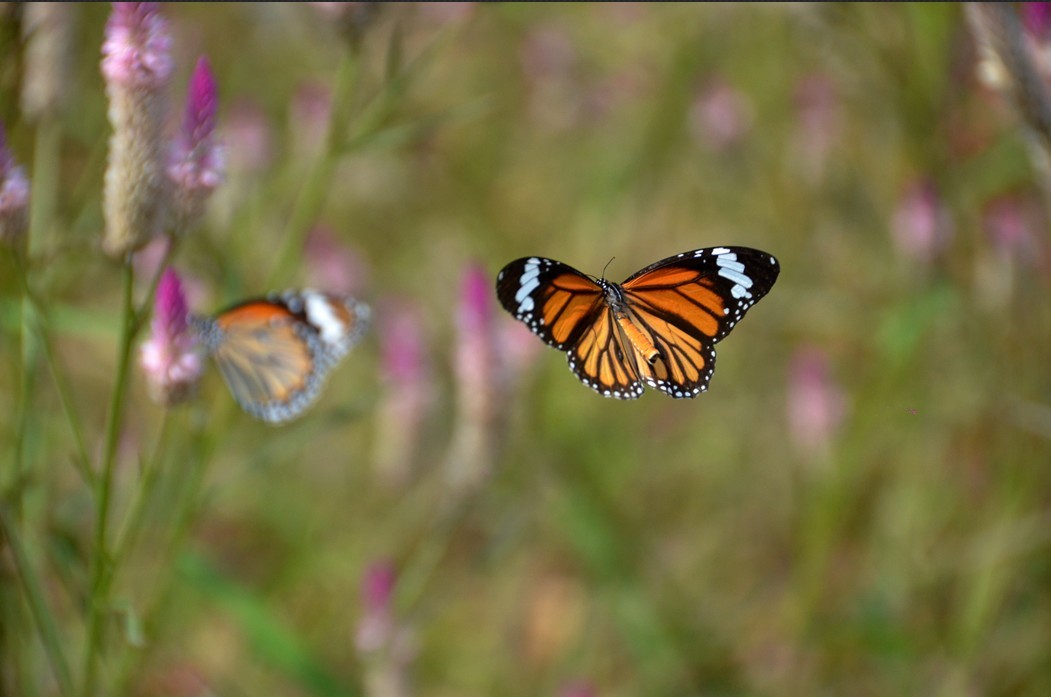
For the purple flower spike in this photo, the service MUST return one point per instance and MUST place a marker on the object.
(922, 226)
(197, 164)
(578, 689)
(169, 357)
(385, 644)
(137, 49)
(376, 627)
(407, 392)
(14, 195)
(377, 587)
(816, 403)
(473, 442)
(1037, 19)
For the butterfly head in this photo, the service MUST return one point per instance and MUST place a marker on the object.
(614, 294)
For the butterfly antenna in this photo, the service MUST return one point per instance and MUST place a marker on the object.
(606, 267)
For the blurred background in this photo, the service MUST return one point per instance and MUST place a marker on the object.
(860, 504)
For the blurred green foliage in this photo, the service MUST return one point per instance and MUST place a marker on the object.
(654, 547)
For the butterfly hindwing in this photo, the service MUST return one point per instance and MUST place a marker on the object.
(604, 359)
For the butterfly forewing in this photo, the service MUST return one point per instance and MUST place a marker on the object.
(554, 300)
(705, 292)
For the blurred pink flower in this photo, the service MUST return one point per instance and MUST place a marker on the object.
(922, 227)
(385, 645)
(332, 264)
(721, 115)
(517, 349)
(819, 122)
(137, 67)
(310, 109)
(816, 403)
(407, 383)
(350, 18)
(1009, 226)
(197, 162)
(475, 351)
(475, 366)
(547, 53)
(247, 136)
(445, 12)
(549, 65)
(1036, 17)
(14, 195)
(170, 357)
(136, 52)
(579, 688)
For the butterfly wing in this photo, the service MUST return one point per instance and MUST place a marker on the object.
(557, 302)
(687, 303)
(275, 354)
(604, 359)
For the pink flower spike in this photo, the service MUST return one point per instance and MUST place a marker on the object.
(922, 226)
(721, 116)
(202, 104)
(816, 403)
(332, 264)
(407, 392)
(376, 627)
(137, 49)
(14, 195)
(377, 586)
(170, 358)
(475, 326)
(198, 163)
(1036, 16)
(578, 688)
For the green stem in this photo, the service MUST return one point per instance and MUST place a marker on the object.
(98, 602)
(132, 524)
(181, 519)
(31, 586)
(43, 335)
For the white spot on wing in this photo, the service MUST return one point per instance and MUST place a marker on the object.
(321, 315)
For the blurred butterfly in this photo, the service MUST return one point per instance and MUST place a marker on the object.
(658, 328)
(276, 352)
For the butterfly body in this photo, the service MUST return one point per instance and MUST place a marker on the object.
(658, 328)
(275, 353)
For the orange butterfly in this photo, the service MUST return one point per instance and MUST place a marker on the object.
(275, 353)
(658, 328)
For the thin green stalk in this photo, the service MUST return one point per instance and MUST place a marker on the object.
(98, 602)
(43, 335)
(315, 190)
(132, 525)
(182, 517)
(31, 586)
